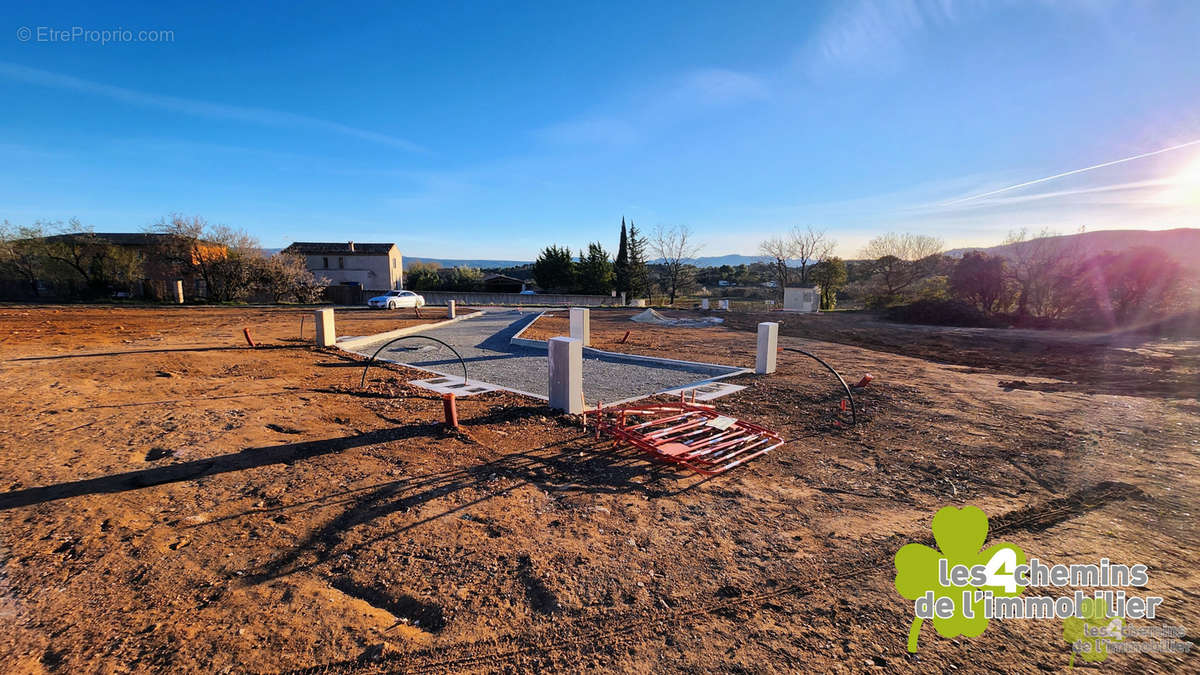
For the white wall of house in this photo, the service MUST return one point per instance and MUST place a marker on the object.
(375, 272)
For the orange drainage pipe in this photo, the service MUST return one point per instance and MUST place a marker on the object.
(451, 410)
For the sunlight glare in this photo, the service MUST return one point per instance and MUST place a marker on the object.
(1183, 189)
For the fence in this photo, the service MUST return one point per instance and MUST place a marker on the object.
(353, 295)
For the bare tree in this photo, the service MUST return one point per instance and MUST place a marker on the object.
(285, 276)
(21, 252)
(1043, 269)
(674, 245)
(777, 251)
(226, 259)
(83, 256)
(809, 246)
(906, 246)
(900, 259)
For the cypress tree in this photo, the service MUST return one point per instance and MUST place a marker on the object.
(622, 264)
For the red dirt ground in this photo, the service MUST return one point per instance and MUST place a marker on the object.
(172, 500)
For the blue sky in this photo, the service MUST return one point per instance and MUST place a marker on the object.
(488, 130)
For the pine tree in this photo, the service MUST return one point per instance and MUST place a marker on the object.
(639, 275)
(622, 264)
(596, 271)
(554, 270)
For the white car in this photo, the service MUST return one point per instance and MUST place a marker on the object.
(396, 299)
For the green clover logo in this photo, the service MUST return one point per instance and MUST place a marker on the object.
(959, 534)
(1090, 635)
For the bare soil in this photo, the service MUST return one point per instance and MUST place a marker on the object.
(172, 500)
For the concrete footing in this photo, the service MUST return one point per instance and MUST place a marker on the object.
(449, 309)
(768, 346)
(581, 325)
(326, 334)
(566, 374)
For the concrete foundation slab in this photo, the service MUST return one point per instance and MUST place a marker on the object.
(484, 343)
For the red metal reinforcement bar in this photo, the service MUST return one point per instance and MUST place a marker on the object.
(693, 435)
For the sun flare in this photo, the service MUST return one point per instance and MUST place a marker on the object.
(1183, 188)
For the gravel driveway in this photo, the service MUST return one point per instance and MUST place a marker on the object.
(483, 343)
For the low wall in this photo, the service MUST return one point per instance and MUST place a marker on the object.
(472, 298)
(352, 295)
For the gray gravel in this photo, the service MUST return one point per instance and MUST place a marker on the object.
(483, 343)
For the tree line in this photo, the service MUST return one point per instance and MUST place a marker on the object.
(1044, 281)
(71, 260)
(595, 271)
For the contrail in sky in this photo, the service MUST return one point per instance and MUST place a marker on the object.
(1070, 173)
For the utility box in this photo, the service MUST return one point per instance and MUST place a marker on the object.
(566, 374)
(581, 325)
(326, 333)
(802, 299)
(768, 346)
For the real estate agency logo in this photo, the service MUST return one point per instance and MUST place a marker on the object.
(961, 587)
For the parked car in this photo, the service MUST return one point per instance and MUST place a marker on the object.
(396, 299)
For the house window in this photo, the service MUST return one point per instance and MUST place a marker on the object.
(325, 262)
(393, 263)
(341, 263)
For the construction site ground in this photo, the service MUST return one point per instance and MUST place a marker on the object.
(172, 500)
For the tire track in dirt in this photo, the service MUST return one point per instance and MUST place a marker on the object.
(609, 630)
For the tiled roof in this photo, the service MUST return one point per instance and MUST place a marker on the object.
(338, 248)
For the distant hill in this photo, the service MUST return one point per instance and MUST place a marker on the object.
(733, 260)
(1183, 244)
(452, 262)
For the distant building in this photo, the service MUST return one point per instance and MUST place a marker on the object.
(159, 272)
(502, 283)
(370, 266)
(802, 298)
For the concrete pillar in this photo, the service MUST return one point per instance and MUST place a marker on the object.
(566, 374)
(723, 304)
(179, 291)
(768, 346)
(704, 303)
(581, 325)
(623, 301)
(323, 319)
(449, 309)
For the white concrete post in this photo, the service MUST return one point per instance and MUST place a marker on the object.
(704, 303)
(179, 291)
(768, 345)
(566, 374)
(449, 309)
(623, 301)
(723, 304)
(326, 335)
(581, 325)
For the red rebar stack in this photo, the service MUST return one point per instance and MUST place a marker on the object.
(687, 433)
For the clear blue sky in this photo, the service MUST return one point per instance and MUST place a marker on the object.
(487, 130)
